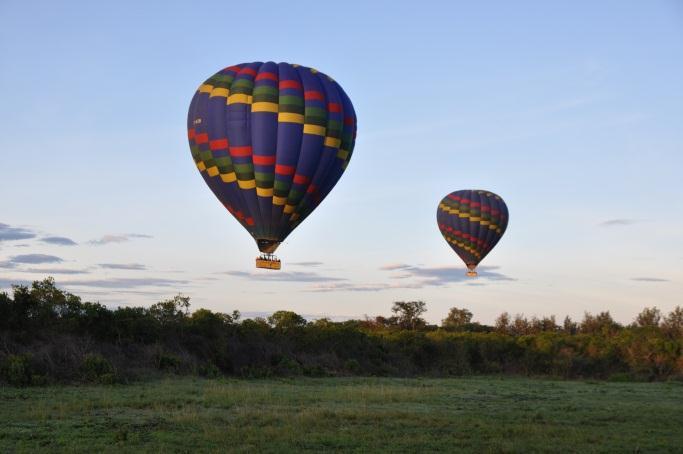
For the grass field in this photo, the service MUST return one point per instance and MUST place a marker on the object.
(417, 415)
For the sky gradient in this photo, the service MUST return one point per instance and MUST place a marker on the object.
(571, 111)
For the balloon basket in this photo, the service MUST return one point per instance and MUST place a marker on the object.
(471, 273)
(268, 262)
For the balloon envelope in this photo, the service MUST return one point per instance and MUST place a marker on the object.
(472, 222)
(271, 140)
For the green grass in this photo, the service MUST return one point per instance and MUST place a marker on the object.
(478, 414)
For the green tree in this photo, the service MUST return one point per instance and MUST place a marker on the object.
(171, 311)
(603, 323)
(569, 326)
(673, 322)
(286, 320)
(457, 319)
(650, 316)
(408, 313)
(502, 324)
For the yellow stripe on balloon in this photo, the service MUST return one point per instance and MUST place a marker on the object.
(246, 184)
(201, 166)
(464, 246)
(212, 171)
(228, 177)
(332, 142)
(288, 117)
(239, 98)
(205, 88)
(343, 154)
(279, 200)
(289, 209)
(314, 129)
(222, 92)
(264, 192)
(264, 107)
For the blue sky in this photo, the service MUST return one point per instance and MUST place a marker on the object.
(572, 111)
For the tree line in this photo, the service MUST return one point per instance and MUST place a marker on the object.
(48, 335)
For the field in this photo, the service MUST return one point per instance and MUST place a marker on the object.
(480, 414)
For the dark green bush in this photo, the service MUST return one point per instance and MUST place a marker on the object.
(16, 370)
(97, 369)
(168, 362)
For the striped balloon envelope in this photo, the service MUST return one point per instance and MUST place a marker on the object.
(472, 222)
(271, 140)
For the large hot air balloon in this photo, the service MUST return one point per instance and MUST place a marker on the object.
(271, 140)
(472, 222)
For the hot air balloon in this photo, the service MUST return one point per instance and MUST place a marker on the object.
(271, 140)
(472, 222)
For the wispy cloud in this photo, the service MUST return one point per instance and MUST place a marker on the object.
(284, 276)
(123, 266)
(444, 275)
(50, 271)
(414, 277)
(618, 222)
(9, 233)
(32, 259)
(58, 240)
(108, 239)
(7, 283)
(361, 287)
(126, 283)
(649, 279)
(305, 263)
(394, 267)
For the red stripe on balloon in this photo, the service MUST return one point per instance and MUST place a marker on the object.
(249, 71)
(333, 107)
(218, 144)
(266, 75)
(264, 160)
(300, 179)
(313, 96)
(284, 170)
(240, 151)
(289, 84)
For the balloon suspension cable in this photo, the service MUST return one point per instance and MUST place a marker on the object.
(268, 261)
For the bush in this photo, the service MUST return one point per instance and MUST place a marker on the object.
(352, 365)
(16, 370)
(97, 369)
(209, 370)
(167, 362)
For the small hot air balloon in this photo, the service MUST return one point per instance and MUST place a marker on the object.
(472, 222)
(271, 140)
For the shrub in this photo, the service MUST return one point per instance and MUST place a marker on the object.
(167, 362)
(97, 369)
(16, 370)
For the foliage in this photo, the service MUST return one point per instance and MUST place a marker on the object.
(96, 368)
(408, 314)
(49, 335)
(457, 319)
